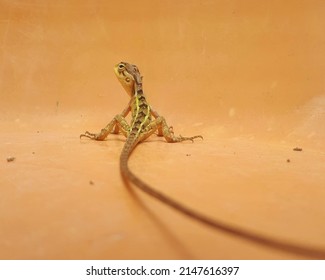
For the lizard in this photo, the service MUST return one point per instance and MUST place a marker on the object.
(144, 122)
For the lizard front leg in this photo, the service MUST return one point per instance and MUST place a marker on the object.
(156, 116)
(119, 123)
(114, 127)
(160, 124)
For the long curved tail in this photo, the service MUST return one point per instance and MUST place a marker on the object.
(127, 174)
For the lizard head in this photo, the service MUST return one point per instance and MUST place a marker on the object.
(129, 76)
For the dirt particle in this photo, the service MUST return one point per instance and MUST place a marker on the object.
(10, 159)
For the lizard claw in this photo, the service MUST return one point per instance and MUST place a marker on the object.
(190, 138)
(185, 138)
(88, 135)
(198, 136)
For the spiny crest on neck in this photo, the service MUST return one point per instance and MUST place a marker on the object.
(134, 71)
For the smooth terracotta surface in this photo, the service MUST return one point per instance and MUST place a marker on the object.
(247, 75)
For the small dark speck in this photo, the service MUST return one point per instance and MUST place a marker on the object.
(10, 159)
(91, 182)
(288, 160)
(297, 149)
(33, 153)
(188, 155)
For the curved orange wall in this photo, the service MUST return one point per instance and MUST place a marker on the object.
(247, 75)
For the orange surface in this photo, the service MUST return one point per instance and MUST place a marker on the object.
(247, 75)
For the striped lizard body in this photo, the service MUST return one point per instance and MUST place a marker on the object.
(144, 123)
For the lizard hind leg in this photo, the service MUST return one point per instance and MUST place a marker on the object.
(118, 124)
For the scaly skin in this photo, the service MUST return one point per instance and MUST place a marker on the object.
(142, 124)
(145, 122)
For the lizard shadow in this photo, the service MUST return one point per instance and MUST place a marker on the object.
(303, 251)
(176, 243)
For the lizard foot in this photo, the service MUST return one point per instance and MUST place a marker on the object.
(89, 135)
(190, 138)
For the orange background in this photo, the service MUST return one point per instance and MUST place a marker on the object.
(247, 75)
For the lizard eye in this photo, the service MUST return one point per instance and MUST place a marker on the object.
(121, 66)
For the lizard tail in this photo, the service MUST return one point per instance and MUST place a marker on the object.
(127, 174)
